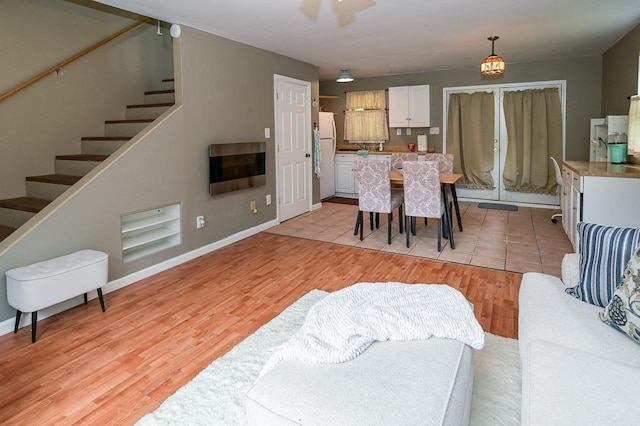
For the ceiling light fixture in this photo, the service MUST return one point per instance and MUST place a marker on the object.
(344, 76)
(493, 64)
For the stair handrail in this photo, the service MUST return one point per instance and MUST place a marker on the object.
(71, 59)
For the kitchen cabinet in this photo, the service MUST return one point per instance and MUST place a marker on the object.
(601, 193)
(346, 179)
(345, 174)
(409, 106)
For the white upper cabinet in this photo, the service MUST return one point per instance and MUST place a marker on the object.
(409, 106)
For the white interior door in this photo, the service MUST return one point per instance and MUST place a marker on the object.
(500, 142)
(293, 146)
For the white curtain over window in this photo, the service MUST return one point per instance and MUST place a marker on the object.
(366, 117)
(633, 134)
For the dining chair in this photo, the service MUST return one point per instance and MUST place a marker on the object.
(375, 194)
(423, 196)
(397, 158)
(445, 161)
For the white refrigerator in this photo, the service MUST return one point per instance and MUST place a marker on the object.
(328, 147)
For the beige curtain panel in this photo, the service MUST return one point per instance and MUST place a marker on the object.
(633, 140)
(370, 99)
(470, 135)
(366, 117)
(366, 126)
(534, 130)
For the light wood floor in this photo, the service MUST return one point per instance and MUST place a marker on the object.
(90, 367)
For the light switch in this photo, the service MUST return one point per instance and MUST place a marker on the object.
(267, 133)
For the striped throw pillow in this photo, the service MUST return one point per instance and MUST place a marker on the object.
(604, 253)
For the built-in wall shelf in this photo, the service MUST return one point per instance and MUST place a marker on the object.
(150, 231)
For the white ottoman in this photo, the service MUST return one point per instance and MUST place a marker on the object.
(425, 382)
(34, 287)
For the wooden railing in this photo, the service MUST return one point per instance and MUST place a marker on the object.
(71, 59)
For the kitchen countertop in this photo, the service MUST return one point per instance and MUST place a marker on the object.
(602, 169)
(350, 149)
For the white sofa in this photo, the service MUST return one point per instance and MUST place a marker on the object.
(576, 370)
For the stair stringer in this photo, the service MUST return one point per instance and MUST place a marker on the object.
(87, 215)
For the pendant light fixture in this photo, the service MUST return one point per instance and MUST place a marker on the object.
(344, 76)
(493, 64)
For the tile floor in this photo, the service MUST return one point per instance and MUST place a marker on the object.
(522, 241)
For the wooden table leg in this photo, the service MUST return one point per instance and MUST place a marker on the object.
(448, 216)
(455, 204)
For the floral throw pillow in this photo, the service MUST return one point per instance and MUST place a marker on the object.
(623, 312)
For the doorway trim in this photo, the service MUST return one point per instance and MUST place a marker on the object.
(282, 78)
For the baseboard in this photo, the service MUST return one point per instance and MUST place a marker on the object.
(7, 326)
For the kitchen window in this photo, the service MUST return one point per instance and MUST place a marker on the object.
(365, 118)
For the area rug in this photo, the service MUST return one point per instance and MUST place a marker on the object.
(342, 200)
(496, 206)
(217, 395)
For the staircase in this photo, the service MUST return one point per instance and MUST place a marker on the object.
(69, 169)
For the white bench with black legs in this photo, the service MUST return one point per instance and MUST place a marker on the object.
(34, 287)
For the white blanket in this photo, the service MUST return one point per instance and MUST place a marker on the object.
(345, 323)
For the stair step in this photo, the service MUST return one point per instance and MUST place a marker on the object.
(128, 128)
(25, 204)
(159, 96)
(49, 187)
(5, 231)
(77, 164)
(82, 157)
(57, 179)
(161, 104)
(15, 212)
(159, 92)
(168, 80)
(146, 111)
(102, 145)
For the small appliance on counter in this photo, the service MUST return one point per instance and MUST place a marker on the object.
(422, 143)
(618, 148)
(605, 132)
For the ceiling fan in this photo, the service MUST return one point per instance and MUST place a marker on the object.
(345, 10)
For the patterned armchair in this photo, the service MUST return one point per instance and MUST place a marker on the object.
(398, 158)
(423, 196)
(375, 194)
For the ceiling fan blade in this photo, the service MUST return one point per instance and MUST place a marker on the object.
(345, 10)
(311, 9)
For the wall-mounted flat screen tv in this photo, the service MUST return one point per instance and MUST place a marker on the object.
(236, 166)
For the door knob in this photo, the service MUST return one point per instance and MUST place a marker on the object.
(307, 155)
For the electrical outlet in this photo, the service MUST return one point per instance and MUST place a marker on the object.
(399, 132)
(253, 205)
(268, 199)
(408, 132)
(200, 223)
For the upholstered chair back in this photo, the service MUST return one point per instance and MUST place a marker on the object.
(398, 158)
(422, 194)
(374, 186)
(445, 161)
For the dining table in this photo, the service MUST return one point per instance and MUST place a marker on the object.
(446, 179)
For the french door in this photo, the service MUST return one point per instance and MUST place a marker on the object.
(501, 141)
